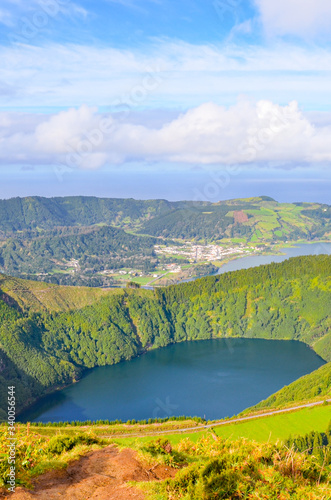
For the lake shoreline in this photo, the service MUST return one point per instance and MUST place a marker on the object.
(230, 345)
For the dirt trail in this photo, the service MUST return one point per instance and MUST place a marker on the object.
(99, 475)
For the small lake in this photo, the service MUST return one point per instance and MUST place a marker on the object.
(211, 378)
(259, 260)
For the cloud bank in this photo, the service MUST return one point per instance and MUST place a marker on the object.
(305, 19)
(207, 134)
(187, 74)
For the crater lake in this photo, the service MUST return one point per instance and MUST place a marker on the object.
(210, 378)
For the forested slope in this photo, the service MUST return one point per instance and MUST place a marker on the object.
(259, 217)
(310, 387)
(95, 248)
(291, 300)
(51, 346)
(35, 296)
(20, 214)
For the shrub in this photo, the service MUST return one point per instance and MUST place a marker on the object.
(59, 444)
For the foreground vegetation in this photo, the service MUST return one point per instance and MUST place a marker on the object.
(36, 453)
(208, 467)
(47, 340)
(317, 444)
(42, 448)
(217, 468)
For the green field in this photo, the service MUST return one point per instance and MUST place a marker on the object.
(279, 427)
(144, 280)
(173, 438)
(274, 428)
(270, 428)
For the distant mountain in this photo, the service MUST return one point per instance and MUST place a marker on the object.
(255, 219)
(19, 214)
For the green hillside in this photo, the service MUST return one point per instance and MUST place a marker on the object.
(28, 296)
(253, 219)
(20, 214)
(279, 427)
(308, 388)
(290, 300)
(50, 335)
(261, 217)
(93, 248)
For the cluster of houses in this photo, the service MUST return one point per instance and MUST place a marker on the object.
(196, 253)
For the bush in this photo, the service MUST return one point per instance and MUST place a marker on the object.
(59, 444)
(224, 469)
(161, 451)
(158, 447)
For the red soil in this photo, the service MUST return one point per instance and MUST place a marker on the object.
(240, 217)
(99, 475)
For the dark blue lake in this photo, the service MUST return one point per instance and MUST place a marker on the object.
(212, 378)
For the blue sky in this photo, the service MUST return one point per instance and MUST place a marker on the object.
(168, 91)
(125, 23)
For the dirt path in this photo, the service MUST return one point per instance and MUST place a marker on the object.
(99, 475)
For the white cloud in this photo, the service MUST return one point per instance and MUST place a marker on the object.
(207, 134)
(303, 18)
(6, 18)
(29, 20)
(73, 10)
(190, 74)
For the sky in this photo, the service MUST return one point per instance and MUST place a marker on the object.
(212, 99)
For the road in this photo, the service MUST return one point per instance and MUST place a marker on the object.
(199, 428)
(157, 279)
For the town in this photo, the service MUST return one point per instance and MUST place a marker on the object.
(198, 253)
